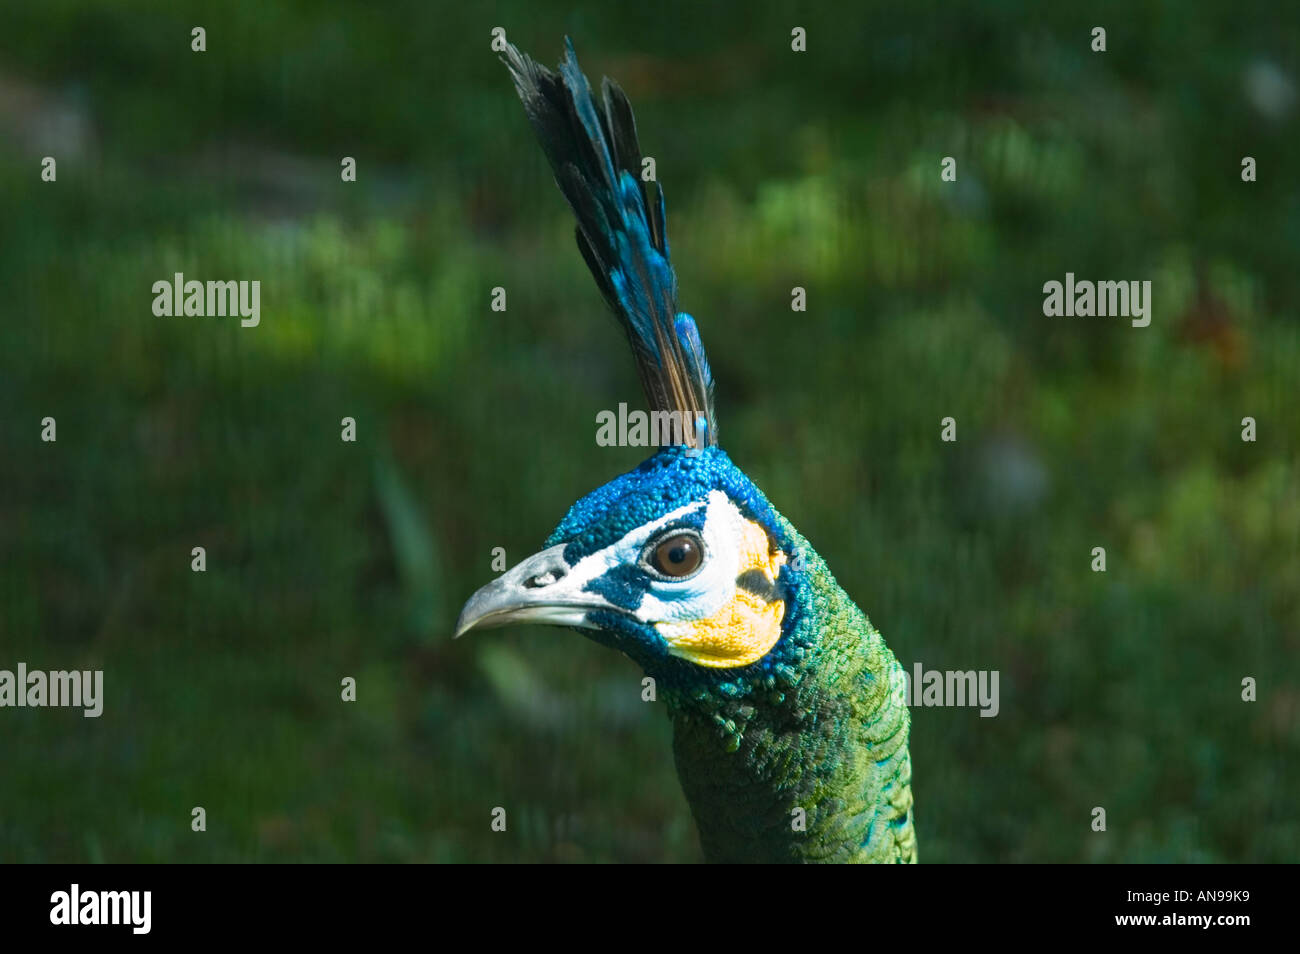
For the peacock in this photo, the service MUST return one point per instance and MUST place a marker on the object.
(789, 715)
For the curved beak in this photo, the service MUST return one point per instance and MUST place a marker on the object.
(541, 589)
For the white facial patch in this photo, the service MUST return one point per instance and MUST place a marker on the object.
(696, 597)
(714, 585)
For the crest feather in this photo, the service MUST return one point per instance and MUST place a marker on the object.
(622, 232)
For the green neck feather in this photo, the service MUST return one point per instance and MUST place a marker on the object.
(826, 734)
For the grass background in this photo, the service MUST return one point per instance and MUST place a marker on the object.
(476, 428)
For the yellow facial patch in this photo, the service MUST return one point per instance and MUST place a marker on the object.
(746, 626)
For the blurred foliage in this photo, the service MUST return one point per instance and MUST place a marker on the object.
(476, 428)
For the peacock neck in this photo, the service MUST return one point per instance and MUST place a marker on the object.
(804, 757)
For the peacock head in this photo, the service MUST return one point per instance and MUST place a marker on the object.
(682, 564)
(681, 559)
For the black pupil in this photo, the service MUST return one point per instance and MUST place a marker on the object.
(677, 556)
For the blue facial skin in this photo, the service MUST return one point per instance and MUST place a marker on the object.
(625, 585)
(669, 480)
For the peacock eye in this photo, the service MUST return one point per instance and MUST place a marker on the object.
(677, 556)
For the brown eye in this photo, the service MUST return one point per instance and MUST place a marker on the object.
(679, 555)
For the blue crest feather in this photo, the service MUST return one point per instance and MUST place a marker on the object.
(622, 232)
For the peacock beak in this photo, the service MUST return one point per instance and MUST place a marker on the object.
(541, 589)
